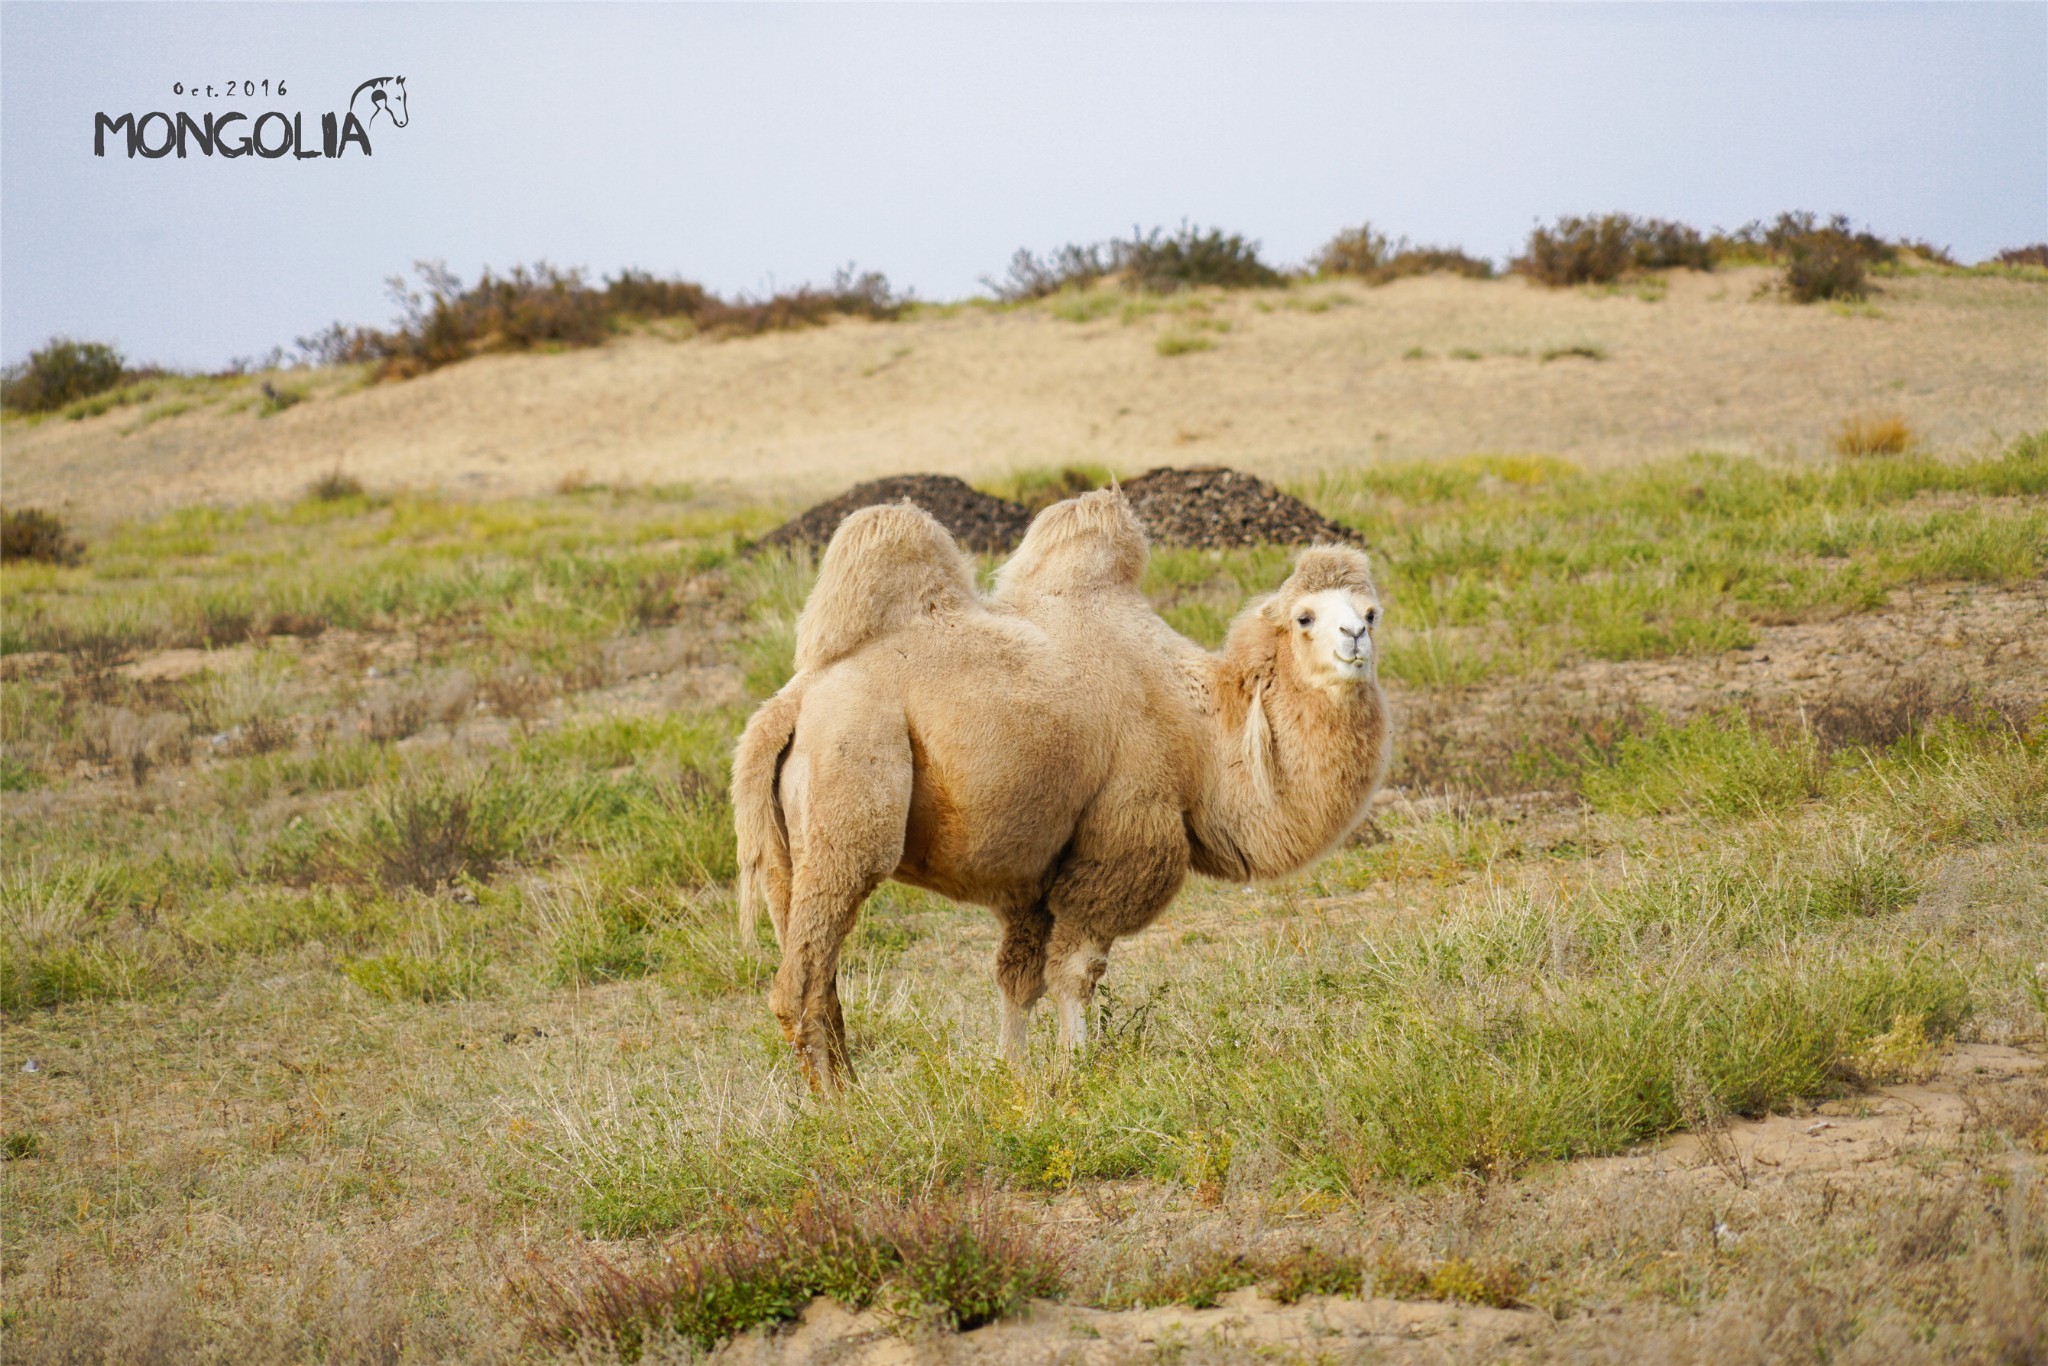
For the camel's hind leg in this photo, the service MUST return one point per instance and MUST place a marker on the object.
(847, 800)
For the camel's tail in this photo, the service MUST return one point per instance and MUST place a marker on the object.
(887, 567)
(757, 812)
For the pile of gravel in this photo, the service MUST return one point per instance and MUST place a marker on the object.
(1211, 507)
(977, 520)
(1208, 508)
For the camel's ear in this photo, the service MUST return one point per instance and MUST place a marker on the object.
(1272, 609)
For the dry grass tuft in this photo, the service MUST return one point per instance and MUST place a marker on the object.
(518, 692)
(134, 744)
(1887, 434)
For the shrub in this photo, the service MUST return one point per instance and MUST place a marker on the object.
(851, 294)
(1368, 255)
(32, 534)
(444, 321)
(2035, 255)
(1190, 257)
(953, 1263)
(334, 487)
(1886, 435)
(1822, 260)
(62, 372)
(1432, 261)
(1600, 250)
(1072, 266)
(425, 834)
(638, 294)
(1154, 262)
(1824, 265)
(1354, 251)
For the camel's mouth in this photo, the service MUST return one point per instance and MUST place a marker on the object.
(1352, 666)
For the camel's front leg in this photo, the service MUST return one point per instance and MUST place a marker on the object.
(1128, 860)
(1020, 974)
(1075, 960)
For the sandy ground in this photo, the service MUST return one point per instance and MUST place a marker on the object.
(1286, 389)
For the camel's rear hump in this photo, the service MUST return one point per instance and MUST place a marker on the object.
(886, 568)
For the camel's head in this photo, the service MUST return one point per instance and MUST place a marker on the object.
(1327, 611)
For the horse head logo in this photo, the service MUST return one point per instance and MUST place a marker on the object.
(385, 96)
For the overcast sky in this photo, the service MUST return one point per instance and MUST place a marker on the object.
(749, 146)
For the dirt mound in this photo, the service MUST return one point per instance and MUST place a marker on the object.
(1208, 507)
(1211, 507)
(977, 520)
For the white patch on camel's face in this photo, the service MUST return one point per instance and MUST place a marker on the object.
(1332, 633)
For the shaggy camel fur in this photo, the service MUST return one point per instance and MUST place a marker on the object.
(1054, 751)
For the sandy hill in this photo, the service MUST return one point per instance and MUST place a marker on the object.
(1289, 381)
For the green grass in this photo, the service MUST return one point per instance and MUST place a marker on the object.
(1182, 343)
(1535, 561)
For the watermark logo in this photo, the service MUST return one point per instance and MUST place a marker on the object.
(384, 97)
(270, 135)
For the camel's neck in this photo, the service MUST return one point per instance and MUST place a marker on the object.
(1292, 764)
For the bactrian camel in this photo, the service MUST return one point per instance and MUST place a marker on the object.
(1053, 751)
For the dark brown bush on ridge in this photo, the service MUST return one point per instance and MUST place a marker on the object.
(639, 294)
(1030, 277)
(1155, 262)
(1191, 256)
(1599, 250)
(32, 534)
(540, 306)
(1823, 259)
(1433, 261)
(62, 372)
(850, 295)
(1366, 254)
(2034, 255)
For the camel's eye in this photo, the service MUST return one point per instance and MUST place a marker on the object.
(1305, 620)
(1372, 614)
